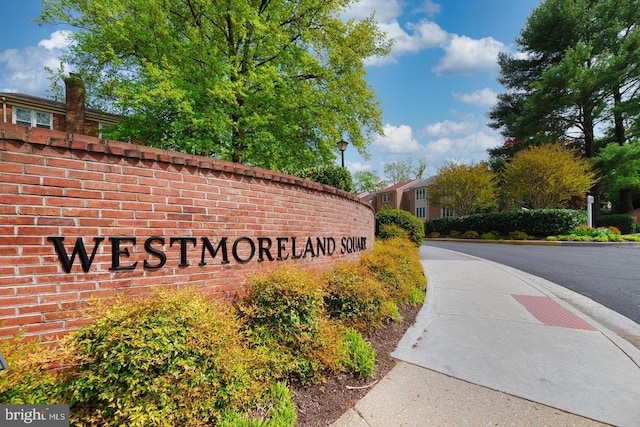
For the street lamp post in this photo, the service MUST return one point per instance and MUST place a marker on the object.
(342, 145)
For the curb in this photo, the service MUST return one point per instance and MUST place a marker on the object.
(533, 242)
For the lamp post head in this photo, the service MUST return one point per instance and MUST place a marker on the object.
(342, 145)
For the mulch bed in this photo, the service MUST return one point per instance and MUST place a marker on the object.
(322, 404)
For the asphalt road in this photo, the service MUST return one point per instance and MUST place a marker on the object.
(608, 274)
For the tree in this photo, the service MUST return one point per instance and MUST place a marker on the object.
(546, 176)
(465, 189)
(368, 180)
(576, 69)
(619, 167)
(405, 170)
(265, 83)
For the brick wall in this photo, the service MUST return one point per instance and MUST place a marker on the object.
(149, 218)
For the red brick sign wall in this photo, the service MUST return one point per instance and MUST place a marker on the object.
(82, 217)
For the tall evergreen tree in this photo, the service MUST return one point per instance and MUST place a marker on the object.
(575, 79)
(577, 70)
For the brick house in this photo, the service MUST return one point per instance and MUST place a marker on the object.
(418, 202)
(410, 196)
(391, 197)
(70, 116)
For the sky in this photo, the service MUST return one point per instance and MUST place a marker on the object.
(435, 88)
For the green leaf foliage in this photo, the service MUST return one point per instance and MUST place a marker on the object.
(539, 222)
(403, 219)
(546, 177)
(331, 174)
(575, 74)
(359, 357)
(395, 263)
(627, 224)
(465, 189)
(619, 168)
(28, 378)
(368, 181)
(284, 312)
(354, 297)
(166, 360)
(180, 359)
(271, 84)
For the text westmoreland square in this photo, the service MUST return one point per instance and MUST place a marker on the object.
(223, 250)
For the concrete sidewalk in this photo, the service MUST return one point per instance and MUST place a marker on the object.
(497, 346)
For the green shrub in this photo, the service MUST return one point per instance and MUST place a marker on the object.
(396, 264)
(454, 233)
(614, 230)
(403, 219)
(614, 237)
(279, 412)
(626, 224)
(600, 234)
(539, 222)
(388, 231)
(416, 296)
(358, 355)
(167, 359)
(519, 235)
(583, 230)
(489, 236)
(330, 174)
(470, 234)
(631, 238)
(434, 235)
(392, 311)
(354, 297)
(28, 378)
(284, 312)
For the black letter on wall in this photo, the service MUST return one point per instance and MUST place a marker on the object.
(153, 251)
(183, 248)
(78, 249)
(116, 252)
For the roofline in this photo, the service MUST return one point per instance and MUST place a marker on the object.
(51, 106)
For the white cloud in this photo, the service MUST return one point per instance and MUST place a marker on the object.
(418, 36)
(357, 166)
(396, 140)
(466, 56)
(429, 8)
(481, 98)
(470, 148)
(59, 40)
(449, 128)
(24, 70)
(384, 10)
(463, 55)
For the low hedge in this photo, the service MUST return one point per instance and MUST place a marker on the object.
(538, 222)
(627, 224)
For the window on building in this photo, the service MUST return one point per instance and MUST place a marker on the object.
(421, 212)
(446, 213)
(32, 118)
(101, 127)
(386, 198)
(421, 193)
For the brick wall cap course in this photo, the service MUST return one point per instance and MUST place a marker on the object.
(39, 136)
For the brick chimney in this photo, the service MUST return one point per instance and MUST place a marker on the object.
(75, 96)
